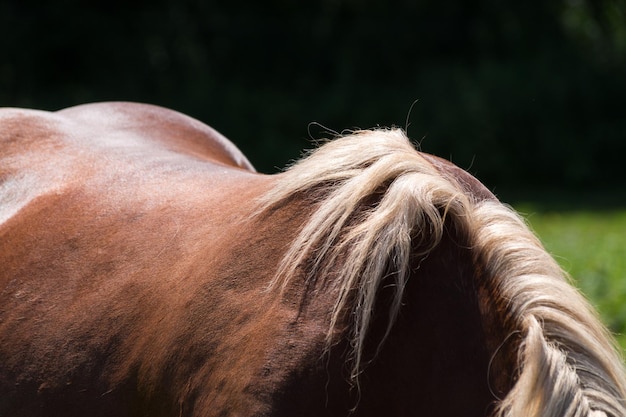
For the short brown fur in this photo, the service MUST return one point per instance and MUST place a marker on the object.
(147, 270)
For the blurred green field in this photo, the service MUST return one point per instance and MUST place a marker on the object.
(590, 244)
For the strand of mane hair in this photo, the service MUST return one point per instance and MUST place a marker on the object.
(375, 199)
(569, 364)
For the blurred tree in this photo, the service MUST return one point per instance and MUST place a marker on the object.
(526, 94)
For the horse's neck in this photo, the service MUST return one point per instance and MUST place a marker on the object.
(436, 353)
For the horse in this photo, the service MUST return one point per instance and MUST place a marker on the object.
(147, 269)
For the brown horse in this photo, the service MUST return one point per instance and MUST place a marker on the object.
(147, 270)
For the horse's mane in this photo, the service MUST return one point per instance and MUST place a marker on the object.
(378, 202)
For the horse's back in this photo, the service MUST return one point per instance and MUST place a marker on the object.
(113, 124)
(159, 126)
(118, 228)
(41, 152)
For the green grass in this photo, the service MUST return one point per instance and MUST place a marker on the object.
(590, 244)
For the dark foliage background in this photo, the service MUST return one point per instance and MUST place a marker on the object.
(525, 94)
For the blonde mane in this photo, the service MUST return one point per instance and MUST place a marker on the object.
(377, 200)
